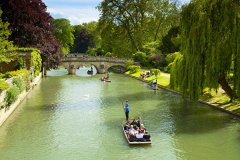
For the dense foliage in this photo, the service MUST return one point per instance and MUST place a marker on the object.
(5, 44)
(19, 83)
(171, 41)
(30, 25)
(63, 31)
(36, 61)
(133, 69)
(3, 85)
(35, 56)
(83, 40)
(11, 95)
(86, 37)
(126, 26)
(211, 51)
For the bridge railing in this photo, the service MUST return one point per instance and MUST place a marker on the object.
(87, 58)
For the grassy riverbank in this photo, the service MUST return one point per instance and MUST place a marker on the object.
(216, 98)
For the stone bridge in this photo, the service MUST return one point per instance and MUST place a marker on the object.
(72, 62)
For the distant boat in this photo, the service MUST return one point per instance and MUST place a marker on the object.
(105, 79)
(152, 86)
(89, 72)
(136, 141)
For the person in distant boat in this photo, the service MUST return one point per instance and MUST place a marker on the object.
(107, 77)
(126, 109)
(155, 82)
(91, 69)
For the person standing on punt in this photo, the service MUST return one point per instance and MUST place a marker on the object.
(126, 109)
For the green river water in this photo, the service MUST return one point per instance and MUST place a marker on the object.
(78, 118)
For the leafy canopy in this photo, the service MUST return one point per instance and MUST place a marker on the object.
(6, 45)
(30, 25)
(63, 31)
(211, 45)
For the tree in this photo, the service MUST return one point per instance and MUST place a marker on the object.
(30, 25)
(83, 40)
(63, 31)
(210, 34)
(114, 39)
(126, 26)
(168, 45)
(131, 15)
(5, 44)
(165, 14)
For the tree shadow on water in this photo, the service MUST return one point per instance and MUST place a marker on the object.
(175, 115)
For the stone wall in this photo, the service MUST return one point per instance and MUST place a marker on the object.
(6, 112)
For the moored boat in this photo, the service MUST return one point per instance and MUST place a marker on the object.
(153, 86)
(105, 80)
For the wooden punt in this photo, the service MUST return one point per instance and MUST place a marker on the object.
(134, 142)
(105, 80)
(153, 87)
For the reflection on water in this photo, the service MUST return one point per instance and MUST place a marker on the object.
(79, 72)
(78, 117)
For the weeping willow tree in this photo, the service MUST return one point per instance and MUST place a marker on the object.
(210, 48)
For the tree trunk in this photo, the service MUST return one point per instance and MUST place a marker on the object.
(156, 33)
(225, 86)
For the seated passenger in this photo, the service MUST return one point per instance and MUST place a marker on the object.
(134, 123)
(139, 135)
(142, 128)
(127, 125)
(131, 131)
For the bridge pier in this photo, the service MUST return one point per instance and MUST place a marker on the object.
(101, 68)
(72, 71)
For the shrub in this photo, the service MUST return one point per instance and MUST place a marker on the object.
(133, 69)
(2, 75)
(92, 52)
(20, 64)
(36, 61)
(129, 63)
(11, 95)
(3, 85)
(155, 72)
(17, 72)
(19, 83)
(109, 54)
(141, 57)
(7, 75)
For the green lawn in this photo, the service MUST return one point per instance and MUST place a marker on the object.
(163, 79)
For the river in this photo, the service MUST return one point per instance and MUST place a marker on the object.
(78, 118)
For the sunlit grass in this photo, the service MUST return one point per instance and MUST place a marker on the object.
(217, 98)
(163, 79)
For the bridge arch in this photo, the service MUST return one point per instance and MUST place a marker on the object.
(74, 61)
